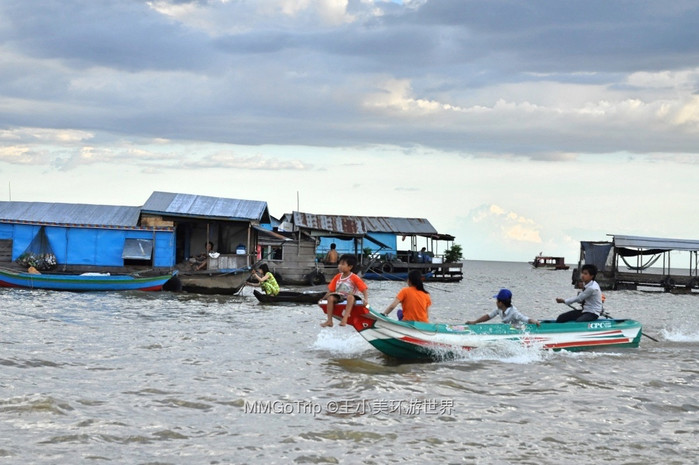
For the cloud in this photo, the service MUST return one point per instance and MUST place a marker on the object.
(255, 162)
(16, 155)
(505, 225)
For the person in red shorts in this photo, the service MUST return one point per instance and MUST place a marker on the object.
(414, 299)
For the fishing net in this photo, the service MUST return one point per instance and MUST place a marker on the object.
(39, 254)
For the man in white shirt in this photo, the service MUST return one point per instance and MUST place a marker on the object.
(590, 298)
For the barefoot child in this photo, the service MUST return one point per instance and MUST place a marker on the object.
(345, 286)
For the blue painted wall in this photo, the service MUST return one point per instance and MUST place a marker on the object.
(90, 246)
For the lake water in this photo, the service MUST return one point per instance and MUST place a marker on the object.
(161, 378)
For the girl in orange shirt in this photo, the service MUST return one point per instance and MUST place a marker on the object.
(414, 299)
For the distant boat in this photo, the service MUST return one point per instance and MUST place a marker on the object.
(83, 282)
(550, 263)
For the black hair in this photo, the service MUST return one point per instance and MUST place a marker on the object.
(506, 302)
(350, 259)
(415, 280)
(590, 268)
(264, 268)
(332, 246)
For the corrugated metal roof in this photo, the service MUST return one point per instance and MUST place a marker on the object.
(69, 213)
(201, 206)
(655, 243)
(405, 226)
(332, 223)
(361, 225)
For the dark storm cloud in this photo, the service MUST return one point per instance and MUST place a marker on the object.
(472, 76)
(121, 35)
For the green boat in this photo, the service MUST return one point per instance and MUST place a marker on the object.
(416, 340)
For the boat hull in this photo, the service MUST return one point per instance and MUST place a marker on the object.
(416, 340)
(290, 297)
(82, 283)
(209, 282)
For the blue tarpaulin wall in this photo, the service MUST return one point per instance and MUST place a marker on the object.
(91, 246)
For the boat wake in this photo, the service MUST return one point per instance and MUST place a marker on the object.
(681, 335)
(507, 352)
(340, 341)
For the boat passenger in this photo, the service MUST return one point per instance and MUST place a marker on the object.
(265, 280)
(590, 298)
(414, 300)
(344, 287)
(507, 311)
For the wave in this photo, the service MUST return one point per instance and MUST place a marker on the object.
(681, 334)
(341, 341)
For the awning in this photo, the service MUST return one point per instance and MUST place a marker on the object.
(137, 249)
(655, 243)
(267, 237)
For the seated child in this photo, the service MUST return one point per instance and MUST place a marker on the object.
(344, 287)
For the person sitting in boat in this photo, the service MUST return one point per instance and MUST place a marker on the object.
(414, 299)
(508, 312)
(331, 256)
(265, 280)
(344, 287)
(590, 298)
(200, 262)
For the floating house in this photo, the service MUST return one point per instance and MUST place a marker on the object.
(81, 237)
(162, 235)
(629, 262)
(231, 224)
(375, 241)
(291, 249)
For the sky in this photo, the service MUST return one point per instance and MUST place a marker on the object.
(518, 127)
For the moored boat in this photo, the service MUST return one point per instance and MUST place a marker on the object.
(226, 282)
(290, 297)
(416, 340)
(83, 282)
